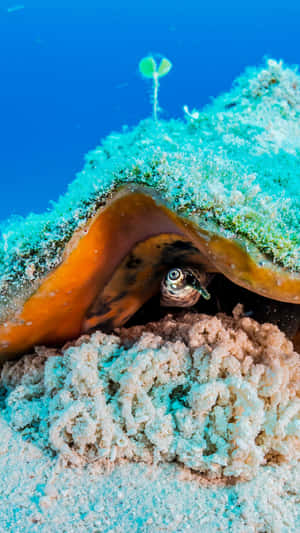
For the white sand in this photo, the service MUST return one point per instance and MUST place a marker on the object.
(40, 494)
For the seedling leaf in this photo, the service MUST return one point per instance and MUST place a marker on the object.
(164, 67)
(147, 67)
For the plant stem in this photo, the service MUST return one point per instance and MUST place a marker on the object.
(155, 95)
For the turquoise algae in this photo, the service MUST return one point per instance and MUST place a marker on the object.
(235, 164)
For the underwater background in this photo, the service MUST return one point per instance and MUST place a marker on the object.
(69, 75)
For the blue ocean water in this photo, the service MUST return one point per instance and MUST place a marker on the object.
(69, 75)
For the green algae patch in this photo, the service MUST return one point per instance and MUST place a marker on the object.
(234, 163)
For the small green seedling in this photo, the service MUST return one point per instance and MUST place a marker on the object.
(148, 69)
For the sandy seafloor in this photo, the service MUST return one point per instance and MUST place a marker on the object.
(39, 494)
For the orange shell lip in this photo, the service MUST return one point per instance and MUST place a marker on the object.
(94, 263)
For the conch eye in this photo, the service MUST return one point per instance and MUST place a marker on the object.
(175, 274)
